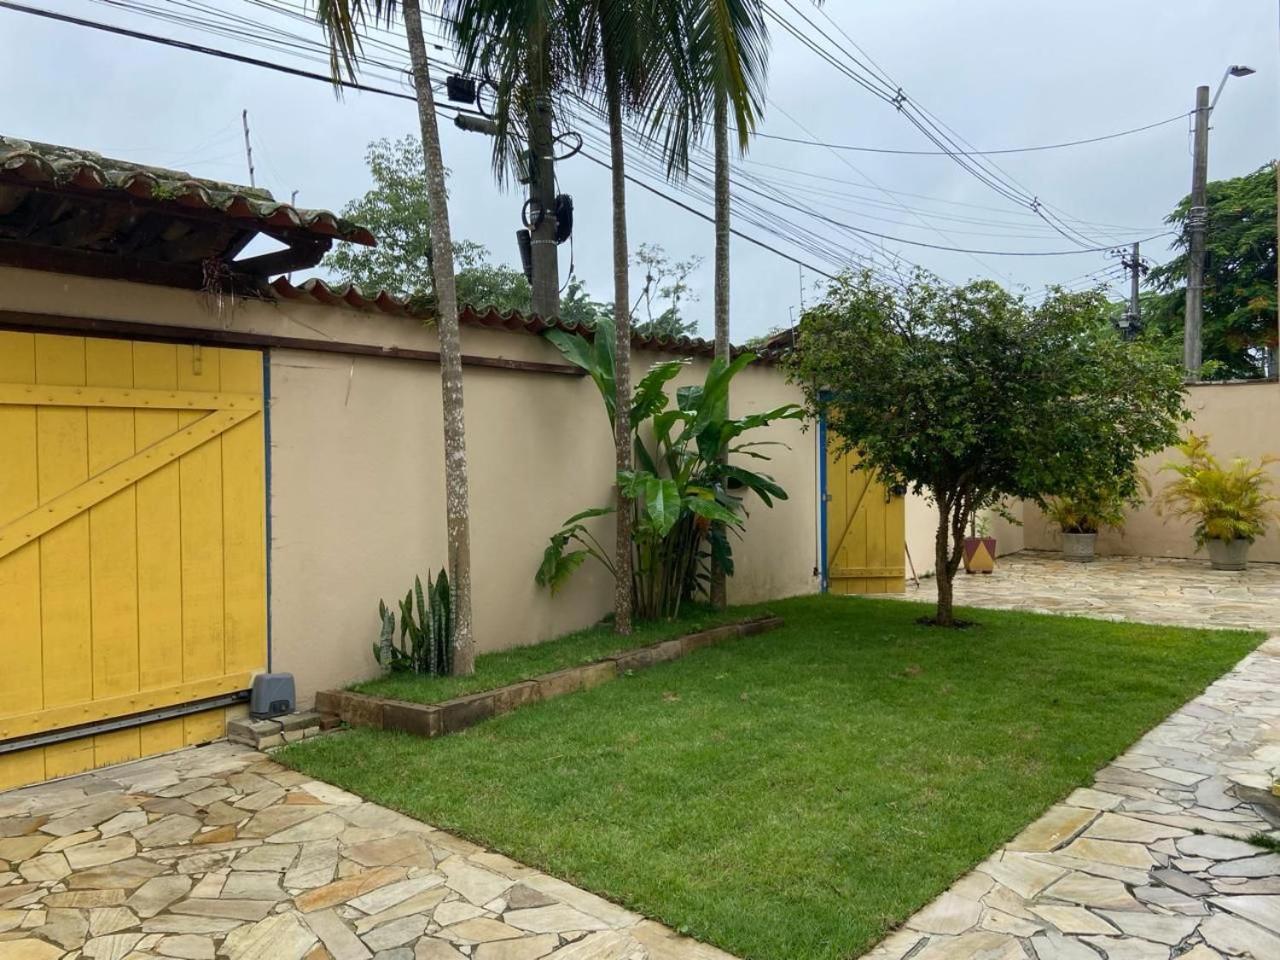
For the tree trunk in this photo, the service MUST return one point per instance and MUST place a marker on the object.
(455, 441)
(622, 358)
(943, 617)
(719, 588)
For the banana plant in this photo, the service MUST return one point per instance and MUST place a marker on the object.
(688, 498)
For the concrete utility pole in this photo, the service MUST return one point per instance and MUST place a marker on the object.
(1135, 274)
(248, 147)
(542, 185)
(1197, 218)
(1197, 221)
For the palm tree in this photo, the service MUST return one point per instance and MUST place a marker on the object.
(727, 61)
(661, 60)
(342, 21)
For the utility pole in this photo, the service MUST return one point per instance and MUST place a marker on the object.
(1197, 222)
(1197, 218)
(248, 147)
(541, 206)
(1131, 324)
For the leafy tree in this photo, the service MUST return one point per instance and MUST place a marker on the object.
(1239, 331)
(970, 395)
(344, 21)
(668, 282)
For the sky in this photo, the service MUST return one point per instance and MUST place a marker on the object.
(1000, 74)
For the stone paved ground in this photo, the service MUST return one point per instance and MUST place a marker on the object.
(1124, 588)
(220, 851)
(1150, 862)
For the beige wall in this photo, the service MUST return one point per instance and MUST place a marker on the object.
(357, 480)
(1241, 420)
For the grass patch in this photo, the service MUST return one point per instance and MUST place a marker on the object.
(511, 666)
(797, 794)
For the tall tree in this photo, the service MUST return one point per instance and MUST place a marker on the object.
(343, 21)
(1239, 331)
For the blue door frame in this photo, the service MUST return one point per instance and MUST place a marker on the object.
(823, 580)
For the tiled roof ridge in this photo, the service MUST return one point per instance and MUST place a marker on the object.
(35, 163)
(350, 295)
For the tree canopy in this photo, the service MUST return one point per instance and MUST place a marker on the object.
(971, 394)
(1240, 278)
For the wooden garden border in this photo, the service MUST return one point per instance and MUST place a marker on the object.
(450, 716)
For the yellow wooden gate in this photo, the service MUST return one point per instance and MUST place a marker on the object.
(865, 530)
(132, 543)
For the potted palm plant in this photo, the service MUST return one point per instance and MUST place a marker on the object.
(1081, 515)
(1230, 505)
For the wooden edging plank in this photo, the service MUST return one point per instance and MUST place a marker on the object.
(450, 716)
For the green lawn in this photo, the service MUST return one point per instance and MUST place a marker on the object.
(796, 794)
(571, 650)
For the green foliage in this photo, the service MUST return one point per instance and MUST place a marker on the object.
(426, 630)
(681, 487)
(971, 395)
(1226, 503)
(666, 282)
(1240, 279)
(1089, 511)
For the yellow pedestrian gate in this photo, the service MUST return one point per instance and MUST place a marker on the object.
(132, 547)
(865, 530)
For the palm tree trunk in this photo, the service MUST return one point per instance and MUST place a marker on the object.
(622, 357)
(457, 511)
(719, 591)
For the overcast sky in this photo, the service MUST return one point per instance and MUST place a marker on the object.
(1000, 73)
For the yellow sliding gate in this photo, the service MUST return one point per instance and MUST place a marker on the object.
(132, 545)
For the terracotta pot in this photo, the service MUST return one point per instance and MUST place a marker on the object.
(979, 554)
(1228, 554)
(1079, 547)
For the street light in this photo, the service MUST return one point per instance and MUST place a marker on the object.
(1235, 70)
(1197, 219)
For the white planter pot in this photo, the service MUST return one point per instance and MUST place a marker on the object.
(1078, 547)
(1228, 554)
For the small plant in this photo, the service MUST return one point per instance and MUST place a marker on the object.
(1227, 503)
(426, 630)
(1089, 511)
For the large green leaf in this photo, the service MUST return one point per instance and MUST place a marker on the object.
(662, 503)
(766, 487)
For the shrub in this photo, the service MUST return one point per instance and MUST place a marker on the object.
(425, 633)
(1227, 503)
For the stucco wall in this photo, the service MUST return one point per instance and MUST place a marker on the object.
(922, 531)
(1241, 420)
(356, 497)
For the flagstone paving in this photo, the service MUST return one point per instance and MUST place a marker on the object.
(1150, 862)
(1141, 589)
(220, 852)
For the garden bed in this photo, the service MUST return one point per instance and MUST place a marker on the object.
(457, 713)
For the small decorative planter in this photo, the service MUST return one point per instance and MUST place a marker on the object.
(1079, 547)
(1228, 554)
(979, 554)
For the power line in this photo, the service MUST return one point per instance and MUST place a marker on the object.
(310, 75)
(968, 153)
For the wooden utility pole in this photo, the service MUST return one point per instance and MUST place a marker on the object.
(541, 208)
(1197, 218)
